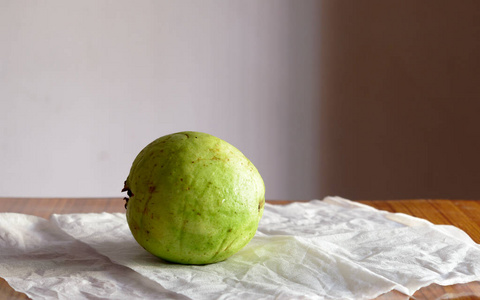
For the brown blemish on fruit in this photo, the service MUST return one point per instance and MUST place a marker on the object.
(152, 188)
(261, 204)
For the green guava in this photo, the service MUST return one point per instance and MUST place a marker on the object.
(193, 198)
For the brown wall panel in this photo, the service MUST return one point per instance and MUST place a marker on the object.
(400, 99)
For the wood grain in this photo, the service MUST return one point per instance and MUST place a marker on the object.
(464, 214)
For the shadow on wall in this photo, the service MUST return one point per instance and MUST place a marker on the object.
(400, 99)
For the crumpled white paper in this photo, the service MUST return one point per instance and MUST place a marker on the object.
(331, 249)
(39, 259)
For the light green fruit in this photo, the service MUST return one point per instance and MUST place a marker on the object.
(194, 198)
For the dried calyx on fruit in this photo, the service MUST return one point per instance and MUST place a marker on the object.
(129, 193)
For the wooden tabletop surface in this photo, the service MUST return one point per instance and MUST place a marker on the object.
(464, 214)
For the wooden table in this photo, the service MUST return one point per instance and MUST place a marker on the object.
(461, 213)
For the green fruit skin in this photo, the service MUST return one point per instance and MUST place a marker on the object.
(196, 199)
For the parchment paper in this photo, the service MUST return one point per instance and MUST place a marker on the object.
(330, 249)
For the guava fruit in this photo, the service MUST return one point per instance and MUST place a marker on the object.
(193, 198)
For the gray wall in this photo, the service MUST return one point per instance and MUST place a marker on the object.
(85, 85)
